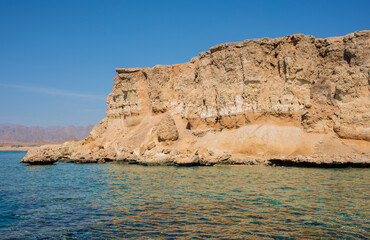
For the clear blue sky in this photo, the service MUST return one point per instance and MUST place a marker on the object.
(57, 58)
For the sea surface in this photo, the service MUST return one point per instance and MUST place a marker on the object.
(108, 201)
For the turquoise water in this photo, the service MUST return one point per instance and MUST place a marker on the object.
(91, 201)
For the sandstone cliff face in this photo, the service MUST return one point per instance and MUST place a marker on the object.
(294, 97)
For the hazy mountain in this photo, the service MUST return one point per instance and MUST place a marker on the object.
(18, 133)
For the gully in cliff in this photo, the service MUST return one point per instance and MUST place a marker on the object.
(293, 101)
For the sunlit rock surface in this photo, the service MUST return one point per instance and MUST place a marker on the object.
(295, 98)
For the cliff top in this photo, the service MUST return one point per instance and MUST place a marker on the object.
(265, 40)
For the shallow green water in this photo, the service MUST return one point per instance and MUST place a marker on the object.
(129, 201)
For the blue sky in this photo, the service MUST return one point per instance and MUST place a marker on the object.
(57, 58)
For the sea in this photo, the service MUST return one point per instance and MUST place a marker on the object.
(121, 201)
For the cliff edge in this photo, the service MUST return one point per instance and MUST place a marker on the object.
(290, 100)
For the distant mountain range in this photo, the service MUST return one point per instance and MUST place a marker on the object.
(13, 133)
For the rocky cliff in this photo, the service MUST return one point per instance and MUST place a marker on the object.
(296, 98)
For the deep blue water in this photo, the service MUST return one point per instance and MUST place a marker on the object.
(94, 201)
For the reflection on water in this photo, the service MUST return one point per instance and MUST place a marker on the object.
(123, 201)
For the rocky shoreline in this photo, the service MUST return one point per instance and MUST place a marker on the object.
(209, 158)
(15, 149)
(290, 101)
(294, 162)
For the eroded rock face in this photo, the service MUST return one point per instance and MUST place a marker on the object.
(166, 129)
(47, 154)
(245, 102)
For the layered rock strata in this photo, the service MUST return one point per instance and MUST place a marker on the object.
(296, 98)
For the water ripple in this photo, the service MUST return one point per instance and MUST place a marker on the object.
(127, 201)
